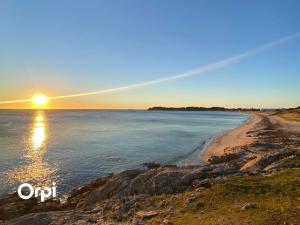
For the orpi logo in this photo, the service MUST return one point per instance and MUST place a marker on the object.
(36, 192)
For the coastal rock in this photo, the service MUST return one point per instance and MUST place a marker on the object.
(137, 222)
(249, 205)
(224, 158)
(169, 166)
(13, 206)
(136, 182)
(191, 200)
(152, 165)
(112, 187)
(204, 183)
(262, 161)
(166, 222)
(145, 215)
(276, 166)
(34, 219)
(163, 204)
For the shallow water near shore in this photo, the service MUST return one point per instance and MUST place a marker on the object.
(72, 147)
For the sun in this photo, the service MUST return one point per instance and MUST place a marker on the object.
(40, 99)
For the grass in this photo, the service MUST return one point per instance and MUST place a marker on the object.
(293, 160)
(291, 116)
(277, 199)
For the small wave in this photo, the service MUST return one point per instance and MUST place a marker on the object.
(192, 157)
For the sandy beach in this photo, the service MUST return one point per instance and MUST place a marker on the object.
(233, 138)
(259, 130)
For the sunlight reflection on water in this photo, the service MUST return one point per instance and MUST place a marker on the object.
(35, 168)
(38, 132)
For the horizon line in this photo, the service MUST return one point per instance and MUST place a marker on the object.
(176, 107)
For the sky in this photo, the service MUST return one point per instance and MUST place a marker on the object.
(65, 47)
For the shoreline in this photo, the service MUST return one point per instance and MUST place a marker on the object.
(226, 140)
(205, 149)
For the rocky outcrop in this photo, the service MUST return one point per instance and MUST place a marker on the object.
(161, 180)
(151, 181)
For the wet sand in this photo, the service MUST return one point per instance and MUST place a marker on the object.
(232, 138)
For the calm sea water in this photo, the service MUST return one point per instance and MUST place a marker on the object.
(74, 147)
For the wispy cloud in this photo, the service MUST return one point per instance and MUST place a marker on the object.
(196, 71)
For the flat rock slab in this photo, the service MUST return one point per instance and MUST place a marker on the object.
(145, 215)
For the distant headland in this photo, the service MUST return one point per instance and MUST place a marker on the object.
(195, 108)
(217, 108)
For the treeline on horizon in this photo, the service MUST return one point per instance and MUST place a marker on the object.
(194, 108)
(216, 108)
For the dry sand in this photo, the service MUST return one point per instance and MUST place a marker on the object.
(239, 137)
(232, 138)
(285, 125)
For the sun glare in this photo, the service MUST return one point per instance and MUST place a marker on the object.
(40, 99)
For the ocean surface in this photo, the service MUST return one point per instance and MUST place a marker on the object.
(72, 147)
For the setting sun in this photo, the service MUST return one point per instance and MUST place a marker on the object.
(40, 99)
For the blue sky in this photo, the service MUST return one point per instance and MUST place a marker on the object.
(63, 47)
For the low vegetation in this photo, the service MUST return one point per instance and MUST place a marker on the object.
(274, 200)
(291, 114)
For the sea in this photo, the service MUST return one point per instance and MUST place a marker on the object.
(73, 147)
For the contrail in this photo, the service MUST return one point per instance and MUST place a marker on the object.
(202, 69)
